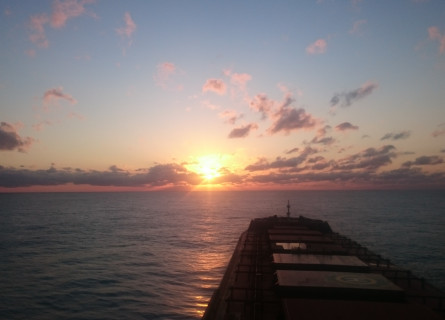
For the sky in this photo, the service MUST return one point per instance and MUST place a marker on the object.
(225, 95)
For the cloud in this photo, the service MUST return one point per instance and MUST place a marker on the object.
(284, 117)
(216, 85)
(169, 175)
(321, 137)
(370, 159)
(230, 116)
(10, 139)
(129, 28)
(318, 47)
(435, 34)
(403, 178)
(424, 161)
(61, 13)
(238, 79)
(288, 119)
(261, 103)
(292, 150)
(279, 163)
(396, 136)
(42, 124)
(327, 141)
(346, 99)
(357, 27)
(164, 72)
(346, 126)
(361, 169)
(64, 10)
(37, 26)
(52, 96)
(440, 131)
(242, 131)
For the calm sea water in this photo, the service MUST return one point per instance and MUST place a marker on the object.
(161, 255)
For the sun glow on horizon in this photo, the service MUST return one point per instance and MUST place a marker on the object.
(208, 166)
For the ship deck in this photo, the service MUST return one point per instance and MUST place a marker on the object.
(298, 268)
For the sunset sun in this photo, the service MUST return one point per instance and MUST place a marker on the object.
(208, 167)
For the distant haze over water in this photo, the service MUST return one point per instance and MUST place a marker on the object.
(160, 255)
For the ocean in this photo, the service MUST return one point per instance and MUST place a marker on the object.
(160, 255)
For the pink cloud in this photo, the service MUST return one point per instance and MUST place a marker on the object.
(318, 47)
(238, 79)
(210, 106)
(54, 95)
(216, 85)
(230, 116)
(163, 73)
(38, 35)
(64, 10)
(261, 103)
(129, 28)
(435, 34)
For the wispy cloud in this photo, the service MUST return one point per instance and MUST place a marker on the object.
(396, 136)
(440, 131)
(37, 27)
(215, 85)
(357, 27)
(279, 163)
(345, 126)
(53, 96)
(164, 72)
(318, 47)
(292, 150)
(326, 141)
(238, 79)
(129, 28)
(436, 35)
(346, 99)
(11, 140)
(230, 116)
(262, 104)
(321, 137)
(62, 11)
(370, 159)
(42, 124)
(242, 131)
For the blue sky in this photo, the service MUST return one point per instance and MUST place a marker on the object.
(142, 95)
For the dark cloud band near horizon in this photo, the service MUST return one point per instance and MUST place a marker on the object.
(365, 168)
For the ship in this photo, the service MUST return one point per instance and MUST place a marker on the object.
(286, 268)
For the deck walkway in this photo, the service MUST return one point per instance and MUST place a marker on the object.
(297, 268)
